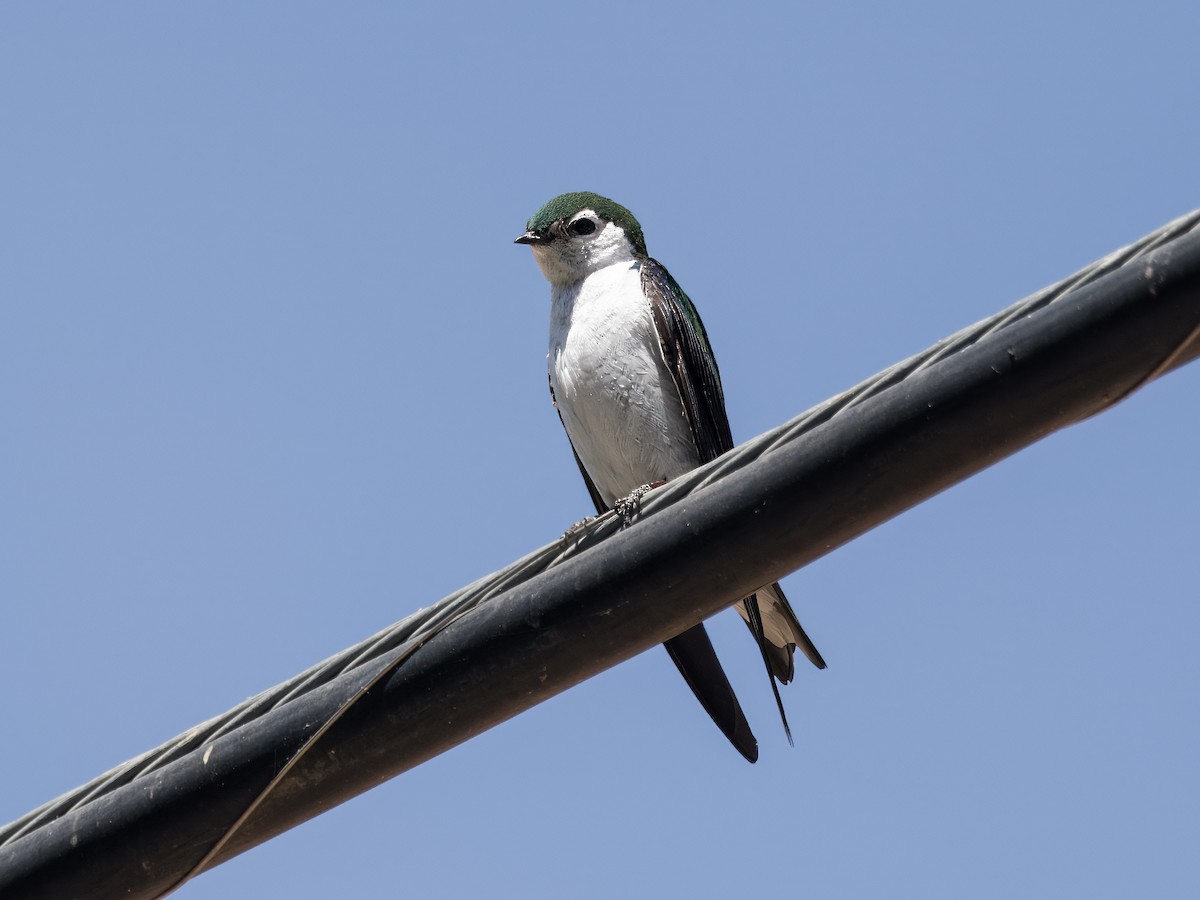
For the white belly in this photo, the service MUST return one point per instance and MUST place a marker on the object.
(615, 395)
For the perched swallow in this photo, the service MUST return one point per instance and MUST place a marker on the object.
(635, 382)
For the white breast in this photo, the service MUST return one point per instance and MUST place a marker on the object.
(616, 397)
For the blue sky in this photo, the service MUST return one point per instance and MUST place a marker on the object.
(273, 375)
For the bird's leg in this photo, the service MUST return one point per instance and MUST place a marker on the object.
(627, 505)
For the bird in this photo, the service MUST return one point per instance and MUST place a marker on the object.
(636, 386)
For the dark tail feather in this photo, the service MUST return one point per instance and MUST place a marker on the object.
(809, 649)
(756, 626)
(697, 662)
(802, 641)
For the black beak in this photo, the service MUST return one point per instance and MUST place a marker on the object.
(533, 237)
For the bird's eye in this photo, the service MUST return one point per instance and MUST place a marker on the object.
(582, 227)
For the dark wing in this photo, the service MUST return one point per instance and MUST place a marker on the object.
(697, 662)
(690, 358)
(694, 656)
(693, 366)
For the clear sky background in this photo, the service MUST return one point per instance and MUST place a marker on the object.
(272, 376)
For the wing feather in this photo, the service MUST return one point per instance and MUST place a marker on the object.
(693, 366)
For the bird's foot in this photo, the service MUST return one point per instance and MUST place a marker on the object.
(579, 526)
(628, 505)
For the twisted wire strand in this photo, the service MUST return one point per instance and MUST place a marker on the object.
(423, 624)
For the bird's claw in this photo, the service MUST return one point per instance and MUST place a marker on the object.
(628, 505)
(577, 527)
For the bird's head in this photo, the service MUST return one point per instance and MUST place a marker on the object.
(579, 233)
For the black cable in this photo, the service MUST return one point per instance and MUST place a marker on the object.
(709, 537)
